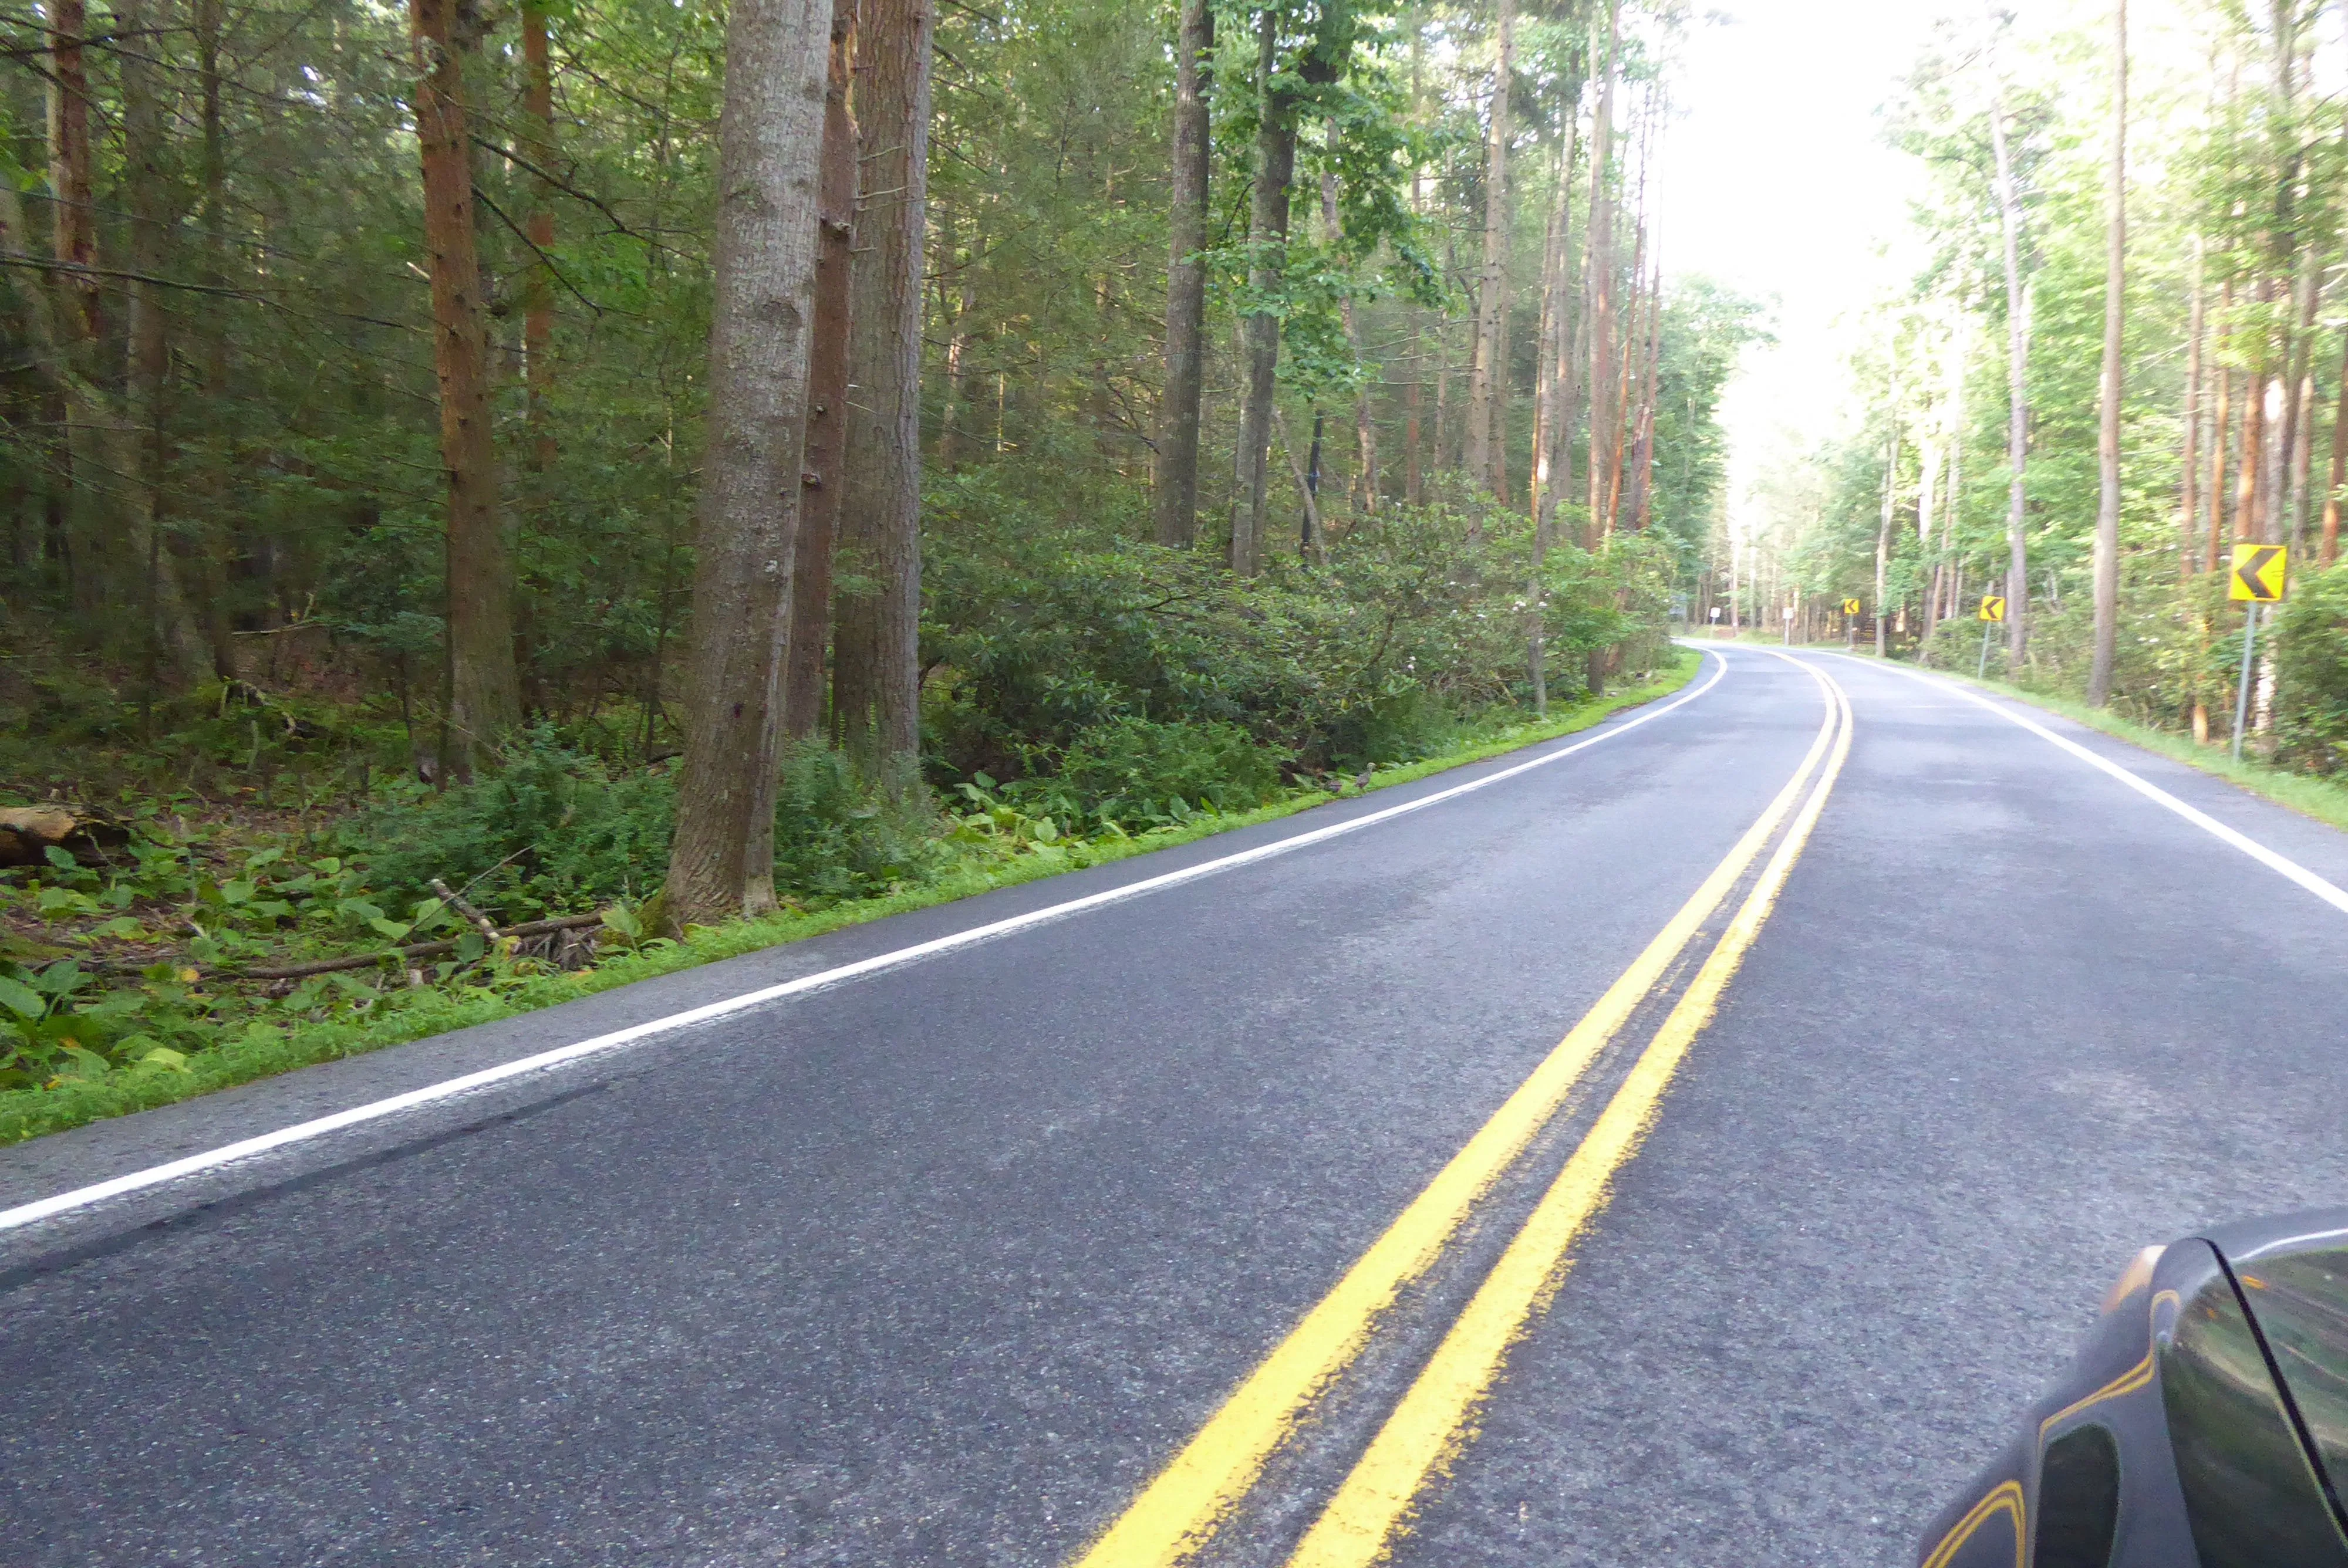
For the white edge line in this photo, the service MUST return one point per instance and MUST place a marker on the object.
(2251, 847)
(301, 1132)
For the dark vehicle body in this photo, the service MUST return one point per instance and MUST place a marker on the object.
(2203, 1425)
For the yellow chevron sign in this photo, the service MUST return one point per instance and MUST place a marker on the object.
(1992, 607)
(2260, 573)
(1850, 606)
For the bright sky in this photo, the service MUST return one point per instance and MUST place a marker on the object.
(1775, 181)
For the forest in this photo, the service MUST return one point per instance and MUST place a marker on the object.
(2120, 355)
(493, 492)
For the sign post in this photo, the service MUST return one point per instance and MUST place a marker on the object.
(1850, 623)
(2259, 576)
(1993, 610)
(1789, 626)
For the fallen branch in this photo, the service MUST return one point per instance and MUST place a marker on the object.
(413, 950)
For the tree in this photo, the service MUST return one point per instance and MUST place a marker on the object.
(1485, 374)
(1275, 169)
(2108, 441)
(876, 658)
(484, 685)
(823, 480)
(770, 139)
(1186, 282)
(2017, 380)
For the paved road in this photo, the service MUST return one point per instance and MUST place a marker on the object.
(946, 1264)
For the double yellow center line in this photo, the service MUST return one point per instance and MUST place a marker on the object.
(1179, 1510)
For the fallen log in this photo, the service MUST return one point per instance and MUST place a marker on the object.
(27, 833)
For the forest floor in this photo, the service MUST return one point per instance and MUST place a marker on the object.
(85, 947)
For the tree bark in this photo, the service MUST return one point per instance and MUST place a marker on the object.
(538, 318)
(171, 635)
(1186, 282)
(484, 687)
(1363, 491)
(2189, 500)
(876, 660)
(73, 216)
(1883, 530)
(822, 482)
(2017, 383)
(1600, 316)
(769, 142)
(93, 560)
(1275, 150)
(2107, 440)
(2221, 426)
(1485, 372)
(1553, 462)
(2328, 547)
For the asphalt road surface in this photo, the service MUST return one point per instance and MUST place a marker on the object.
(1259, 1217)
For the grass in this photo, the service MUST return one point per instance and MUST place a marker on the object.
(265, 1049)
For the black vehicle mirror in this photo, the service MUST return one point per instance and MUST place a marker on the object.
(2201, 1425)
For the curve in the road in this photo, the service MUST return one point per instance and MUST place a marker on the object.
(1180, 1509)
(1434, 1422)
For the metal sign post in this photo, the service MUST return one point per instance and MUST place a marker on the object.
(2243, 690)
(2259, 574)
(1789, 626)
(1850, 623)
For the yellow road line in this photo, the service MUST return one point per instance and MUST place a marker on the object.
(1180, 1510)
(1434, 1420)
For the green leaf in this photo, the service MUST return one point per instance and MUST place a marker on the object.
(162, 1058)
(60, 859)
(239, 891)
(397, 930)
(21, 998)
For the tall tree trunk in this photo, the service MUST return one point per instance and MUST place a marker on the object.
(2284, 489)
(2189, 501)
(73, 215)
(2250, 456)
(822, 482)
(1485, 372)
(1553, 459)
(171, 637)
(2328, 549)
(484, 687)
(875, 659)
(1601, 315)
(212, 181)
(1275, 160)
(2222, 427)
(1883, 530)
(2017, 383)
(770, 147)
(538, 318)
(1186, 282)
(1363, 492)
(2108, 441)
(73, 240)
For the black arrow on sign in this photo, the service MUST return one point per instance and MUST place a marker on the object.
(2252, 570)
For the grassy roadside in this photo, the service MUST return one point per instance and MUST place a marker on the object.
(266, 1051)
(2320, 798)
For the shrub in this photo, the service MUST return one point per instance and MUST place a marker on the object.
(2311, 649)
(557, 831)
(1139, 773)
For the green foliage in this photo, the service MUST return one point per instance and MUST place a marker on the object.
(2311, 650)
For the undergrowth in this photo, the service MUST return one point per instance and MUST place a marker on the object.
(118, 988)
